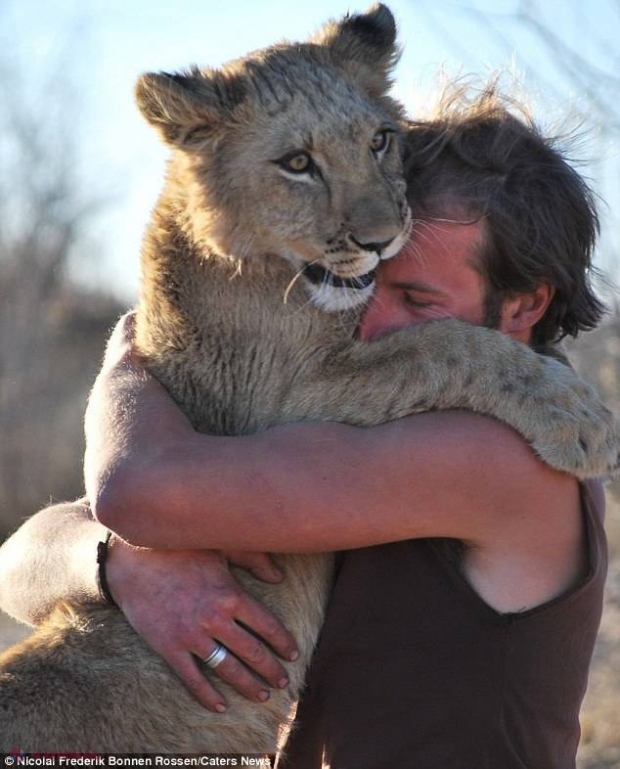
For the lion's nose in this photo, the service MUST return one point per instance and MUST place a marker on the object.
(378, 247)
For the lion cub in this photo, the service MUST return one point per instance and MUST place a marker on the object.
(284, 191)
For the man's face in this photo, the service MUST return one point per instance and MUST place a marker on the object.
(434, 276)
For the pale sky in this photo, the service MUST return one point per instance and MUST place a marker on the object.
(108, 43)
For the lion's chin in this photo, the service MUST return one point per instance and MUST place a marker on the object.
(335, 293)
(329, 298)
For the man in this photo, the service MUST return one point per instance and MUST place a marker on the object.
(467, 642)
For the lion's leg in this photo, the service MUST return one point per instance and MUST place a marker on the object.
(450, 364)
(86, 682)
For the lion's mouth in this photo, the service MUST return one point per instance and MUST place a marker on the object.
(320, 277)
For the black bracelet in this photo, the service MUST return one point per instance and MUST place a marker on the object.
(102, 579)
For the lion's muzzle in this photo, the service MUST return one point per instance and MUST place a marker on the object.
(377, 248)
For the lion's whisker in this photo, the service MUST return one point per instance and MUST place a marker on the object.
(294, 280)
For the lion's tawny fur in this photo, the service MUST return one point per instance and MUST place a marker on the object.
(232, 228)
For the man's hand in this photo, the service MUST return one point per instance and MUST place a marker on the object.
(183, 602)
(258, 564)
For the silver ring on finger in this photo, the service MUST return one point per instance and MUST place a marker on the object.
(217, 656)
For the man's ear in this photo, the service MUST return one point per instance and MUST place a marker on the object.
(521, 312)
(364, 45)
(188, 108)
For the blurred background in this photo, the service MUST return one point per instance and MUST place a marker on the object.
(80, 172)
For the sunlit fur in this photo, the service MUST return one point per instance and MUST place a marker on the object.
(222, 252)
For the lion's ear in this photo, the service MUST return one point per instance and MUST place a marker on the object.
(365, 46)
(188, 108)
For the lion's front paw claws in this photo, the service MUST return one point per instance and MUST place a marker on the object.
(577, 433)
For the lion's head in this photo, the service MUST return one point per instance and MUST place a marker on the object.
(293, 150)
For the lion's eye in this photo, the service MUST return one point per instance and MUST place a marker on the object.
(299, 163)
(380, 141)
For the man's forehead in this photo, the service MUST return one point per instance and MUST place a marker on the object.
(436, 249)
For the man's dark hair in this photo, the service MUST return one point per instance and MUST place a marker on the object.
(479, 157)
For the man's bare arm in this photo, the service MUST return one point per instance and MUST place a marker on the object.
(177, 602)
(299, 488)
(51, 557)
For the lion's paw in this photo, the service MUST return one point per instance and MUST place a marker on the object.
(575, 431)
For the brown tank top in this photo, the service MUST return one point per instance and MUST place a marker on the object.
(414, 669)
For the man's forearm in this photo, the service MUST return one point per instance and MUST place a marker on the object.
(51, 557)
(296, 488)
(320, 487)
